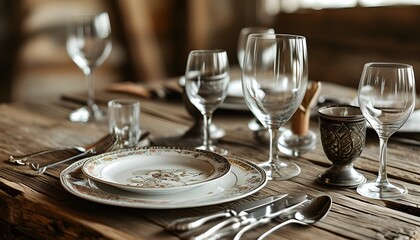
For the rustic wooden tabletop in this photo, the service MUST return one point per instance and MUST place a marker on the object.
(39, 207)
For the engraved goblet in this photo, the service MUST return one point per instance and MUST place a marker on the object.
(343, 133)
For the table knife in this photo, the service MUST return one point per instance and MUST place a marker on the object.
(233, 224)
(194, 222)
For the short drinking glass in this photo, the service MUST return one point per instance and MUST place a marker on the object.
(386, 98)
(124, 121)
(206, 82)
(274, 78)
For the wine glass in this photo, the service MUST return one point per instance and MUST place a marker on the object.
(274, 78)
(206, 82)
(253, 124)
(386, 98)
(88, 45)
(243, 36)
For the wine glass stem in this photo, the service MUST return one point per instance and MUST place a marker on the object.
(382, 178)
(274, 138)
(91, 90)
(206, 137)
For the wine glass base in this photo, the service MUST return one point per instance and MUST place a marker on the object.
(376, 191)
(213, 148)
(296, 145)
(281, 170)
(86, 114)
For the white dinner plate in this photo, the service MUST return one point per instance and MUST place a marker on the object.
(156, 170)
(244, 179)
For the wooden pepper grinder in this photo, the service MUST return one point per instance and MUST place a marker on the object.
(300, 139)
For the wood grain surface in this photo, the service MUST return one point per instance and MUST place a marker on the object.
(38, 207)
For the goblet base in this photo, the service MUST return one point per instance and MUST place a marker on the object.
(280, 170)
(296, 145)
(340, 175)
(213, 148)
(378, 191)
(86, 114)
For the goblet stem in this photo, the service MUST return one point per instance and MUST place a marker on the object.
(207, 142)
(382, 179)
(91, 91)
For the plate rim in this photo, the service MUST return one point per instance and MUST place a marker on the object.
(216, 158)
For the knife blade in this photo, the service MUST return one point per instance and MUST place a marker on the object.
(263, 220)
(234, 223)
(184, 224)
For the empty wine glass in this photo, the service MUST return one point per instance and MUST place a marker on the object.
(243, 36)
(274, 78)
(386, 98)
(88, 45)
(253, 124)
(206, 82)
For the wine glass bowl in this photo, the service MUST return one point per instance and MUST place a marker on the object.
(206, 83)
(386, 98)
(88, 45)
(274, 78)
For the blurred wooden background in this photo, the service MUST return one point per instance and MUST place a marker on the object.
(151, 40)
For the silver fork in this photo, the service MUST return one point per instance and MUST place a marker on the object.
(105, 144)
(23, 159)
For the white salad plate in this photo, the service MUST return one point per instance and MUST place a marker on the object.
(156, 170)
(244, 179)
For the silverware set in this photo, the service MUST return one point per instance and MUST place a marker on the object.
(282, 209)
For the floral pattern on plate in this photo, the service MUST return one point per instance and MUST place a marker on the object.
(244, 179)
(157, 178)
(156, 170)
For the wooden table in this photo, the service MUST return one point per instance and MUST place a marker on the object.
(39, 207)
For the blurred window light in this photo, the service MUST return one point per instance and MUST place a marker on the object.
(273, 7)
(378, 3)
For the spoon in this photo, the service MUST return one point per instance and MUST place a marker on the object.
(310, 214)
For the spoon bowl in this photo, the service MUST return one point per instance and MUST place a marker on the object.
(316, 210)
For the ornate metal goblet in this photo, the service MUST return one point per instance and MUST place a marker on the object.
(343, 133)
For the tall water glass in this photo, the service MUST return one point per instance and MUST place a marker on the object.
(88, 45)
(274, 78)
(386, 98)
(206, 82)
